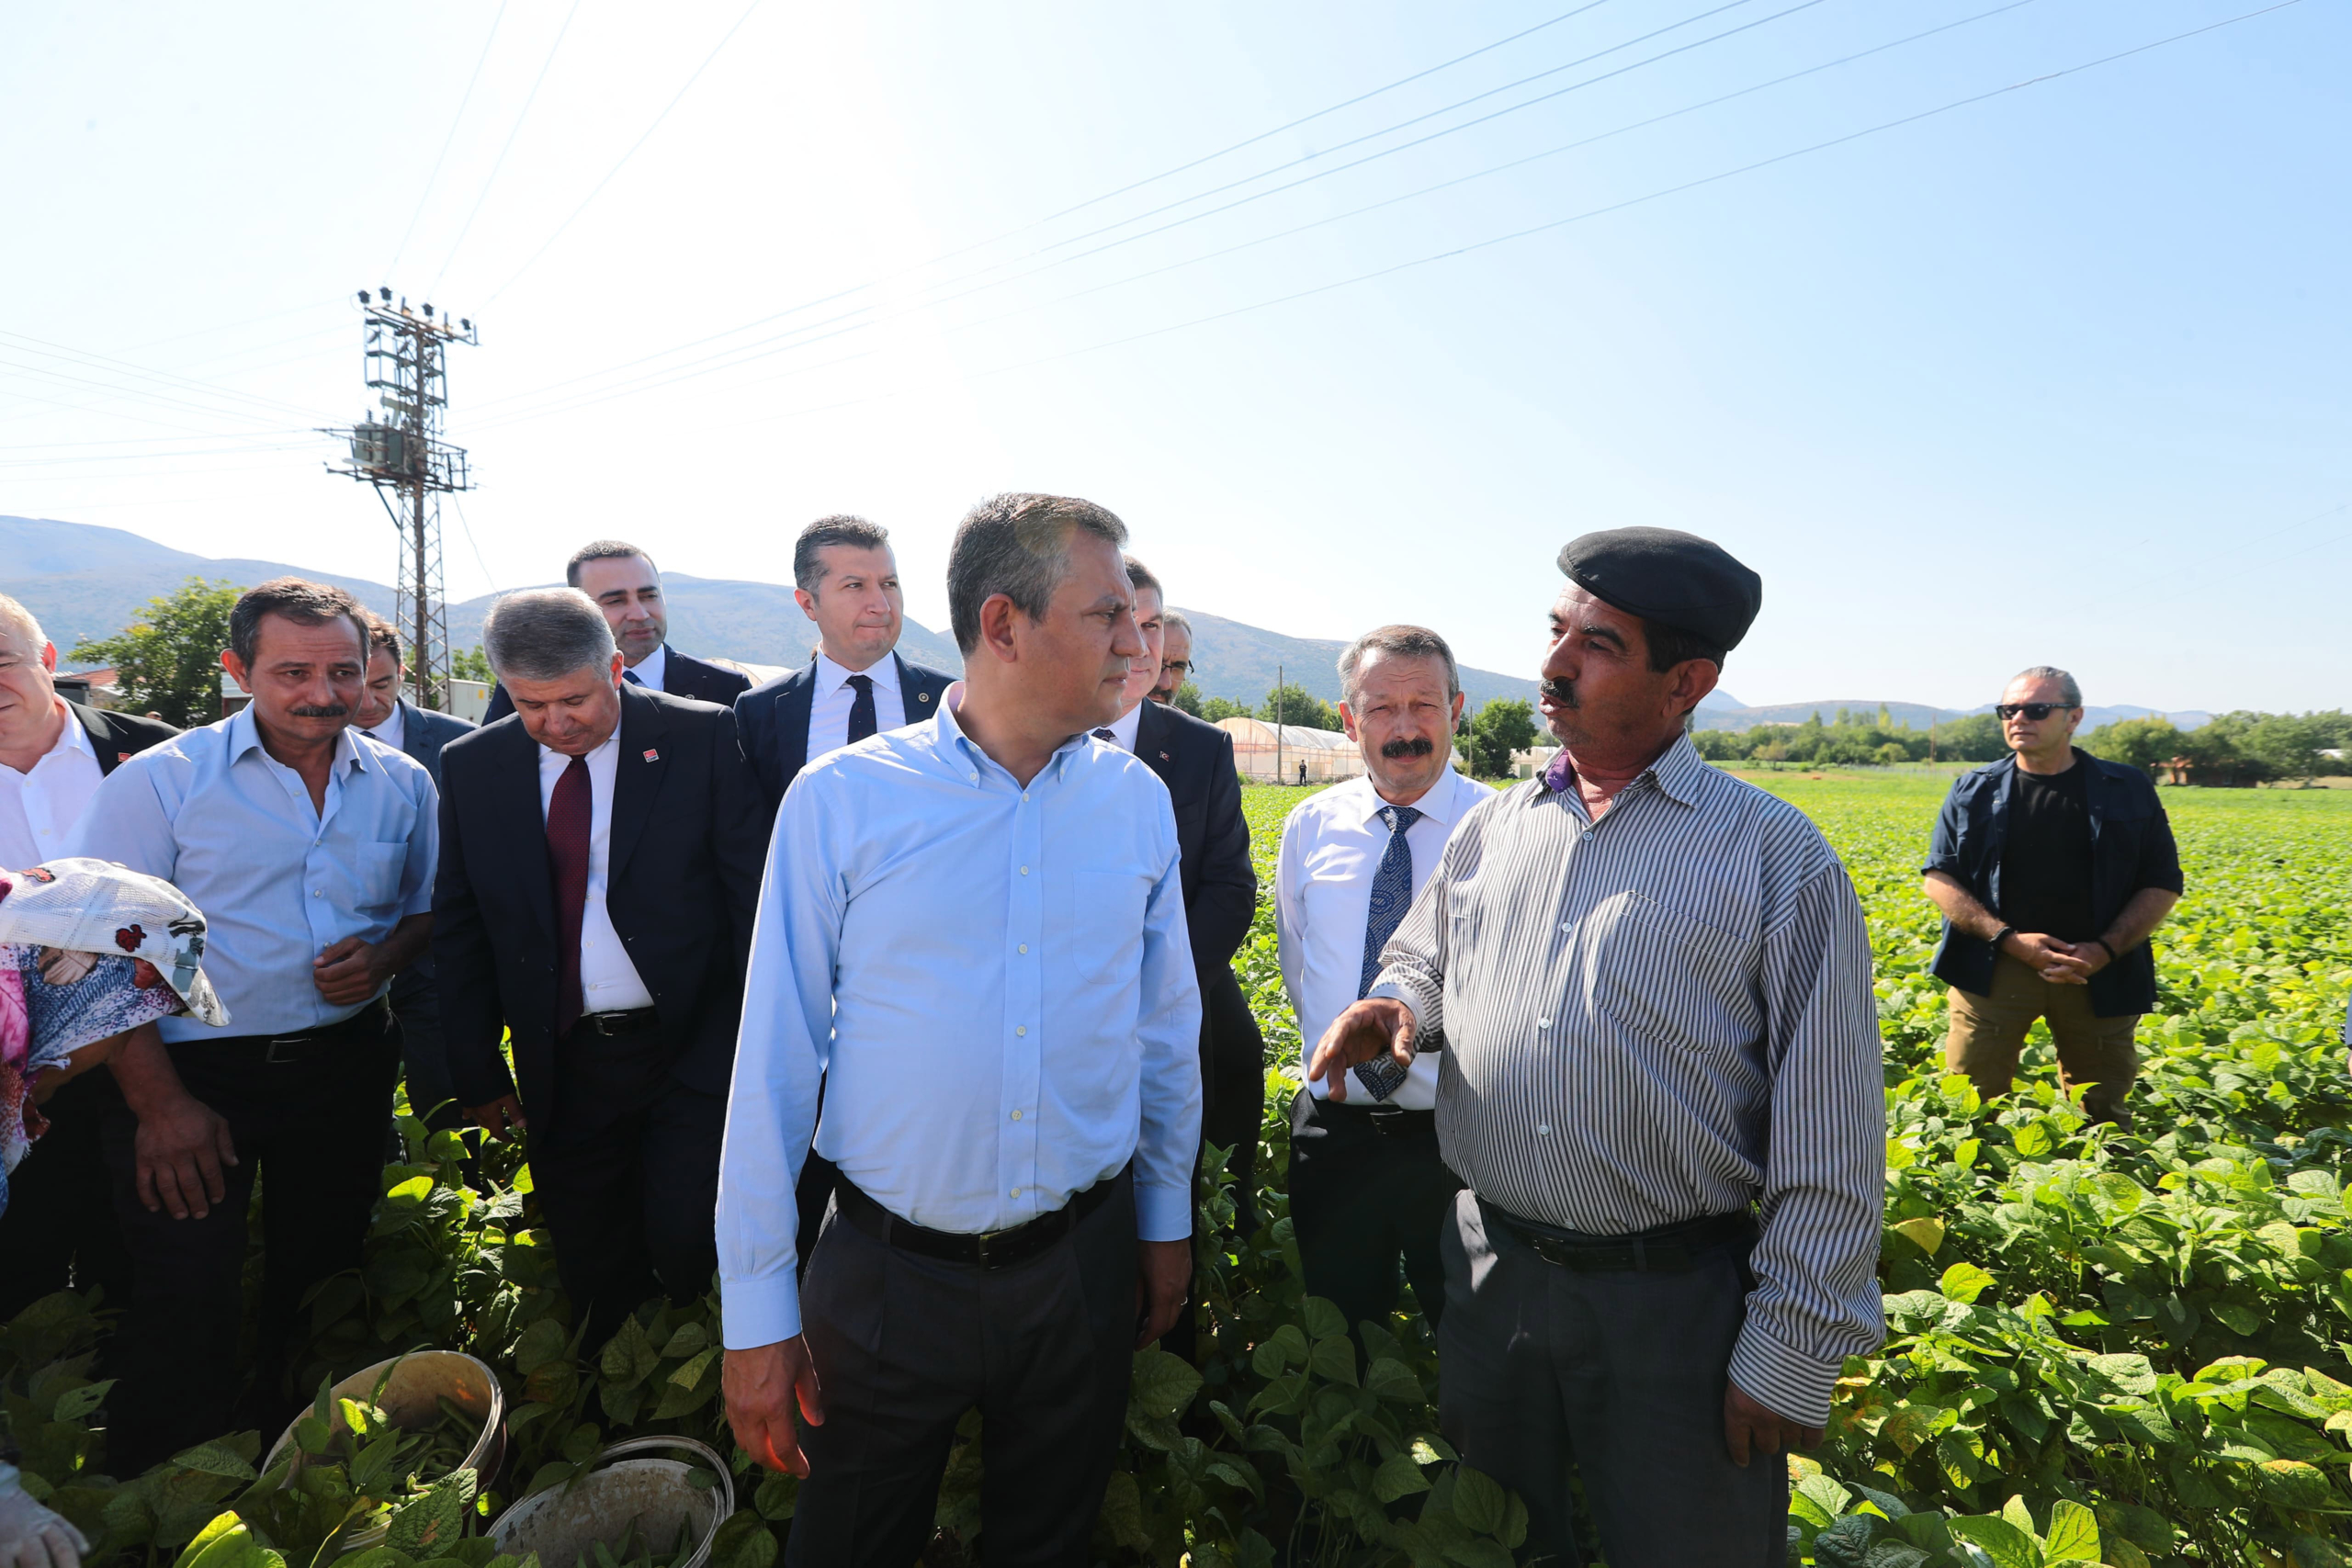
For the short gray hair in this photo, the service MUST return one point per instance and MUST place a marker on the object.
(545, 633)
(2066, 687)
(1397, 642)
(1174, 621)
(14, 617)
(1017, 545)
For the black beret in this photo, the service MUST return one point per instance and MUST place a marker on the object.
(1678, 580)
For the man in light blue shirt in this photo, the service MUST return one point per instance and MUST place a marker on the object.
(973, 931)
(309, 848)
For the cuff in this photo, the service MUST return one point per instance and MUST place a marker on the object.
(1949, 864)
(1788, 1382)
(752, 1313)
(1397, 991)
(1163, 1214)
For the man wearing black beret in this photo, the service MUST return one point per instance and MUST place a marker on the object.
(1649, 988)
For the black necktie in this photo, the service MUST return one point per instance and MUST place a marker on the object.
(861, 712)
(1110, 735)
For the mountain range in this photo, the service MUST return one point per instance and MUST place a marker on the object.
(84, 581)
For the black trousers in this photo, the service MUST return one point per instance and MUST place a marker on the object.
(59, 1231)
(424, 1054)
(628, 1175)
(1619, 1374)
(309, 1127)
(1368, 1192)
(1235, 1092)
(905, 1344)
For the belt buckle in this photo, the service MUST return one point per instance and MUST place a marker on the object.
(271, 1056)
(981, 1243)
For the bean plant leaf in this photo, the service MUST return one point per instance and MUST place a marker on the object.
(1398, 1476)
(2006, 1545)
(2072, 1533)
(215, 1458)
(1964, 1282)
(1161, 1384)
(1926, 1233)
(629, 1357)
(1479, 1501)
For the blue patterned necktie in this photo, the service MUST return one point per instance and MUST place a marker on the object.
(1392, 893)
(633, 678)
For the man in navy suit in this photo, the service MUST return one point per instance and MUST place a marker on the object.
(1195, 762)
(627, 586)
(847, 580)
(59, 1228)
(600, 868)
(384, 715)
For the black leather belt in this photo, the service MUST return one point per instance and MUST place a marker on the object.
(610, 1024)
(990, 1250)
(1389, 1121)
(281, 1050)
(1669, 1249)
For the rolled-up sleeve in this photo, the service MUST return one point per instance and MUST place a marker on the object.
(1169, 1029)
(1817, 1297)
(2159, 857)
(1943, 850)
(780, 1055)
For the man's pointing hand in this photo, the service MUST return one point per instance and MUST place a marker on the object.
(1375, 1026)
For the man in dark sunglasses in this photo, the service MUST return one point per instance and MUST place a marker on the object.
(2051, 867)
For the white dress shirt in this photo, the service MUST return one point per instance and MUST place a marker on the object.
(829, 704)
(39, 809)
(650, 670)
(394, 731)
(608, 981)
(278, 879)
(1331, 849)
(993, 984)
(1123, 729)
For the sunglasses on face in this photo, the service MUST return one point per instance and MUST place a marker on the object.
(2037, 712)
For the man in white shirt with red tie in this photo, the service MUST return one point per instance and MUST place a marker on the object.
(1368, 1189)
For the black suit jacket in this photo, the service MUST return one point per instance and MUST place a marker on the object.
(116, 737)
(683, 675)
(688, 843)
(772, 719)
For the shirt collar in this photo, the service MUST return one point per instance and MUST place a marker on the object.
(549, 754)
(1123, 729)
(831, 677)
(1442, 802)
(960, 751)
(71, 738)
(1678, 772)
(650, 670)
(243, 733)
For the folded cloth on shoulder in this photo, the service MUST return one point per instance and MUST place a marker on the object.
(88, 950)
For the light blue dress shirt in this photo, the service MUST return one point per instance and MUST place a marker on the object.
(212, 813)
(994, 985)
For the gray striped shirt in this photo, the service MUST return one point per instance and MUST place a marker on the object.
(1659, 1016)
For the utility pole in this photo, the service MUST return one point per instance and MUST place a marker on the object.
(399, 450)
(1280, 776)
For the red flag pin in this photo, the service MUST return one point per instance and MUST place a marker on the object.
(651, 755)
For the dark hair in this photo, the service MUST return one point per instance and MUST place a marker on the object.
(1670, 646)
(1017, 545)
(601, 549)
(1398, 642)
(383, 638)
(304, 604)
(1139, 577)
(842, 528)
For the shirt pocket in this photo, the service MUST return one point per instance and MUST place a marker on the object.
(1660, 975)
(375, 874)
(1105, 929)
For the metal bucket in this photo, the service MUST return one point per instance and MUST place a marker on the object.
(413, 1386)
(563, 1524)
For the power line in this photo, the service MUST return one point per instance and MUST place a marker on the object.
(520, 118)
(457, 119)
(599, 186)
(745, 353)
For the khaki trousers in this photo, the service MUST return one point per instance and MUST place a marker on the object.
(1987, 1033)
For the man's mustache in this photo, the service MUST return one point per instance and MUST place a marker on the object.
(307, 710)
(1418, 746)
(1562, 693)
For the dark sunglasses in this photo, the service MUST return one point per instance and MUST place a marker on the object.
(2037, 712)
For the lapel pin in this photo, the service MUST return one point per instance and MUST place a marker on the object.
(122, 756)
(922, 696)
(651, 755)
(1166, 758)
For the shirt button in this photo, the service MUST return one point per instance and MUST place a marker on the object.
(1542, 1023)
(1543, 1129)
(316, 893)
(1020, 1028)
(1024, 947)
(1016, 1116)
(1016, 1192)
(1024, 871)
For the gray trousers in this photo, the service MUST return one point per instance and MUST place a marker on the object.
(1620, 1375)
(905, 1344)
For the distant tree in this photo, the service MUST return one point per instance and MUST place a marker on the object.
(1892, 752)
(168, 662)
(470, 664)
(1187, 698)
(1976, 738)
(1503, 726)
(1719, 745)
(1217, 709)
(1299, 707)
(2141, 742)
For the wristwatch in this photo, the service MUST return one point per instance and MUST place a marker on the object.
(2003, 936)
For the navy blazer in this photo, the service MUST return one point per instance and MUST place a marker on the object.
(425, 732)
(683, 675)
(688, 841)
(116, 737)
(2132, 848)
(772, 719)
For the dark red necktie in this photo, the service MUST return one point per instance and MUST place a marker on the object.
(569, 809)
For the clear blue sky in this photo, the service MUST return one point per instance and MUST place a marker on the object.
(2059, 376)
